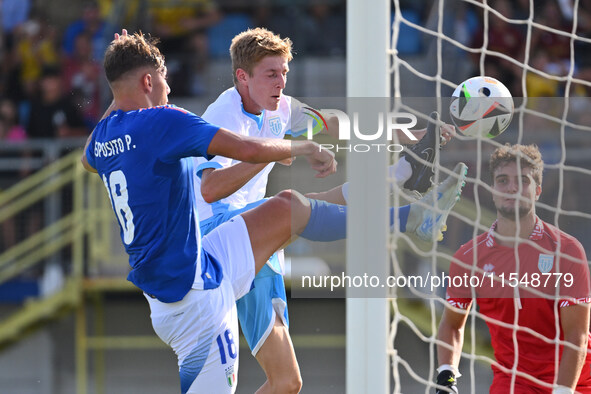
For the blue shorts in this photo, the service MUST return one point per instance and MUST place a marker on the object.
(257, 310)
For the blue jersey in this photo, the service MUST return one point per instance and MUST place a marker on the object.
(144, 160)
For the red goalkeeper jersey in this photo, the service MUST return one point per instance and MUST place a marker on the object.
(547, 272)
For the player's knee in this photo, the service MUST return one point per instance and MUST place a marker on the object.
(281, 202)
(289, 383)
(298, 206)
(294, 385)
(295, 200)
(286, 195)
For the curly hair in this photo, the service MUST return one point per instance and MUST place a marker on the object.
(252, 45)
(529, 156)
(131, 52)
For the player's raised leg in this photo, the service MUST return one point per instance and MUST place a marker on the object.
(270, 228)
(287, 215)
(423, 217)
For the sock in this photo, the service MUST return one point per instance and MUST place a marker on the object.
(328, 222)
(401, 171)
(345, 191)
(402, 217)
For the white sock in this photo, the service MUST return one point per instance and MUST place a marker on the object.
(400, 171)
(345, 191)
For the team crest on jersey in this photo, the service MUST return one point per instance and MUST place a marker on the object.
(230, 376)
(545, 263)
(275, 125)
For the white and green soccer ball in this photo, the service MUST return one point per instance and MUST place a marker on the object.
(481, 106)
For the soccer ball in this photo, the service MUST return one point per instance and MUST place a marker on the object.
(481, 106)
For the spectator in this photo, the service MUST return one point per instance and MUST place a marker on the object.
(506, 38)
(181, 26)
(538, 85)
(11, 130)
(52, 113)
(281, 20)
(34, 49)
(92, 24)
(324, 29)
(556, 45)
(82, 77)
(13, 13)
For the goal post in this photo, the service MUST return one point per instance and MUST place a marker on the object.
(392, 341)
(368, 318)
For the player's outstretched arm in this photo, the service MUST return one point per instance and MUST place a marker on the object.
(265, 150)
(574, 320)
(220, 183)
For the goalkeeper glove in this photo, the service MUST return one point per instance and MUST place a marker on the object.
(447, 379)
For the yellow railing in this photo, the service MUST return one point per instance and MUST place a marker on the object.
(98, 262)
(67, 231)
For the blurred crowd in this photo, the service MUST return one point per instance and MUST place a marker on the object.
(50, 65)
(51, 82)
(546, 50)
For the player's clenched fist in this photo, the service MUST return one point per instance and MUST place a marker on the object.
(322, 161)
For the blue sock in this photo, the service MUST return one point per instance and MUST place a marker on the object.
(402, 217)
(328, 222)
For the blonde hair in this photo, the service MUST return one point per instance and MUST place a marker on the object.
(528, 156)
(251, 46)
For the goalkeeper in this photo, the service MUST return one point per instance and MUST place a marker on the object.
(525, 312)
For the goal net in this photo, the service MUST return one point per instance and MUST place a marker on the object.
(541, 50)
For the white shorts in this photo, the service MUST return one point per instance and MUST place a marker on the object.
(230, 244)
(202, 328)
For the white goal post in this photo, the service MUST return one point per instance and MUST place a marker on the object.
(368, 319)
(379, 327)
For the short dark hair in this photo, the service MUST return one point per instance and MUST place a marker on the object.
(131, 52)
(528, 156)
